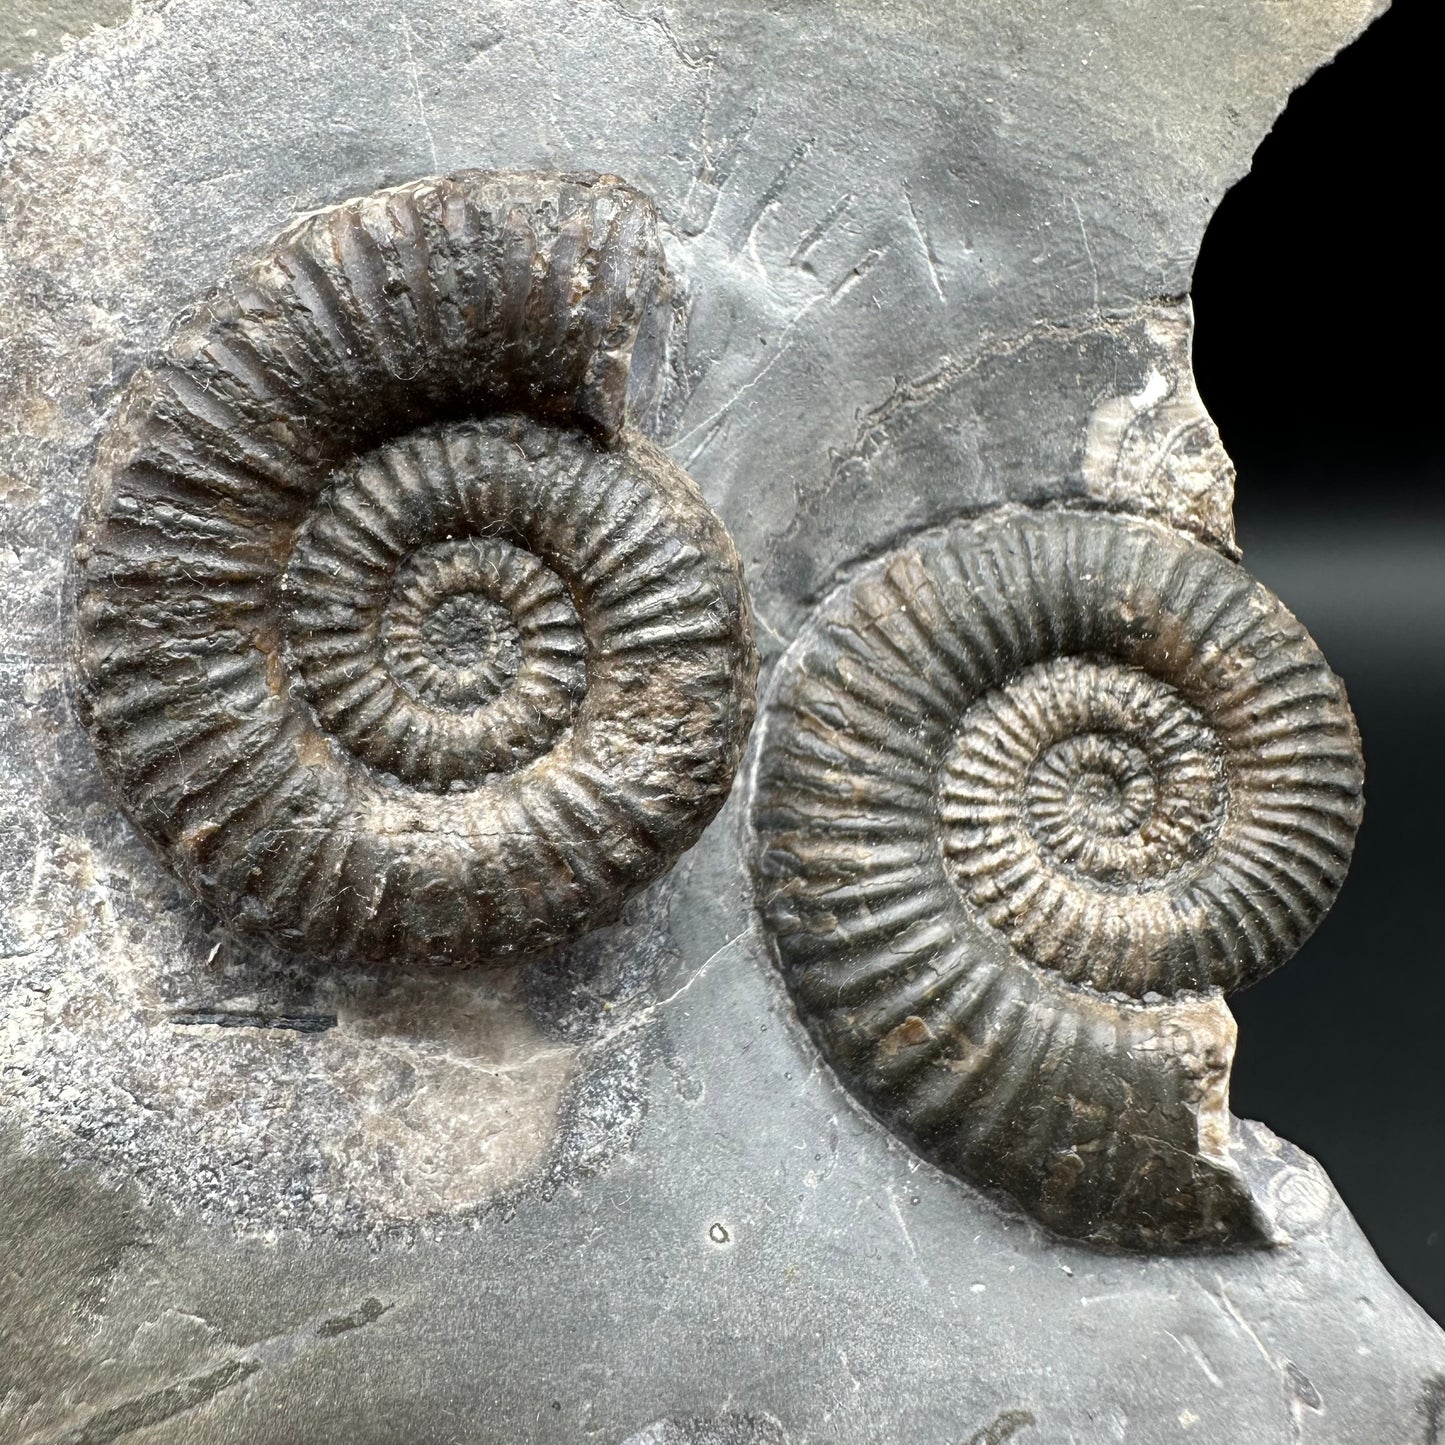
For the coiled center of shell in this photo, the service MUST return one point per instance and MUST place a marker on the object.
(440, 659)
(1093, 787)
(474, 636)
(1075, 799)
(472, 640)
(465, 618)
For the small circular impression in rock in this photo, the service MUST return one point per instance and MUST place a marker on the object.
(396, 639)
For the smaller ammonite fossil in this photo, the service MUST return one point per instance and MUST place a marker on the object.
(1032, 792)
(395, 637)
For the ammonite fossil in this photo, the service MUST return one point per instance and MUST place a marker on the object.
(396, 639)
(1032, 791)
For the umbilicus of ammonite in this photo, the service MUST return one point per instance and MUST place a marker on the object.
(397, 640)
(1033, 790)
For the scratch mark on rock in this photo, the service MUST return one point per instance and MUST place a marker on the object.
(815, 234)
(893, 1205)
(1300, 1392)
(645, 1016)
(896, 1209)
(1239, 1319)
(653, 1009)
(1089, 252)
(764, 625)
(849, 280)
(245, 1019)
(1302, 1387)
(716, 157)
(702, 169)
(708, 421)
(773, 192)
(1003, 1428)
(1191, 1348)
(925, 244)
(411, 66)
(156, 1406)
(657, 18)
(708, 438)
(854, 276)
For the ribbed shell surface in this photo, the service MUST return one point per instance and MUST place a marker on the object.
(395, 640)
(1029, 790)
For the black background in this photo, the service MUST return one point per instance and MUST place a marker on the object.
(1315, 351)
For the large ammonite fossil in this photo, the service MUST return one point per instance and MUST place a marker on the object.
(1031, 792)
(396, 639)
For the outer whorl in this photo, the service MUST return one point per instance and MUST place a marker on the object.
(1030, 792)
(393, 639)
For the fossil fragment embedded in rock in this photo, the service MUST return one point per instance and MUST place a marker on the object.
(1031, 791)
(394, 637)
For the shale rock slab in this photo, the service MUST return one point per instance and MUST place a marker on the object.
(932, 259)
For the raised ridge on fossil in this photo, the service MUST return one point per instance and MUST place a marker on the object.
(1031, 791)
(394, 638)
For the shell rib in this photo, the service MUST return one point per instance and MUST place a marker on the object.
(394, 638)
(1031, 791)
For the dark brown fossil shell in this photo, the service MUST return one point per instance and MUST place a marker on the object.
(394, 638)
(1031, 791)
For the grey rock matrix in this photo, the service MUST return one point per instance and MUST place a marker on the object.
(929, 263)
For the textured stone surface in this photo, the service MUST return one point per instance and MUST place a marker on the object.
(33, 29)
(933, 259)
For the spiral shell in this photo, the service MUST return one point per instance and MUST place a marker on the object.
(1031, 791)
(395, 639)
